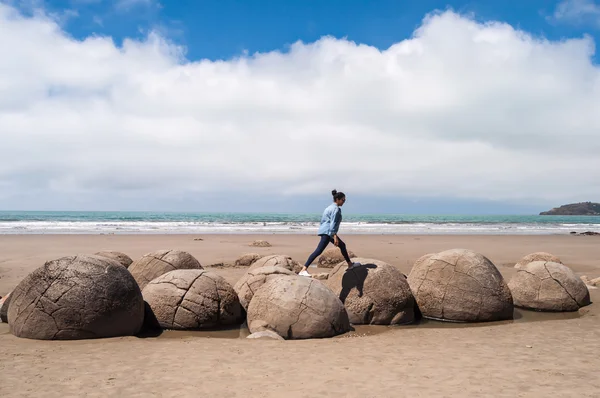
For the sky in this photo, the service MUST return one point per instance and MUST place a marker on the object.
(430, 107)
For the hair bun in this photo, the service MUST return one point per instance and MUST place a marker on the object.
(334, 192)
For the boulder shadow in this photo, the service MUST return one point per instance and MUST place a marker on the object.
(355, 278)
(150, 327)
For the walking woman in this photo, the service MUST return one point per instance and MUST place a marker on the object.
(330, 223)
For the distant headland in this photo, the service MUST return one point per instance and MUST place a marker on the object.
(574, 209)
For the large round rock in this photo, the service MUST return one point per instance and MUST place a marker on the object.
(548, 286)
(247, 259)
(460, 285)
(297, 308)
(76, 297)
(537, 256)
(121, 258)
(277, 260)
(153, 265)
(193, 299)
(375, 293)
(254, 279)
(332, 257)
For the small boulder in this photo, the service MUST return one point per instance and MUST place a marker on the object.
(121, 258)
(155, 264)
(548, 286)
(595, 282)
(76, 297)
(460, 285)
(537, 256)
(332, 257)
(188, 299)
(323, 276)
(374, 293)
(297, 308)
(260, 243)
(247, 259)
(265, 335)
(4, 302)
(277, 260)
(254, 279)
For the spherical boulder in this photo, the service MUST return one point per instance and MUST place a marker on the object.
(460, 285)
(297, 308)
(188, 299)
(153, 265)
(121, 258)
(76, 297)
(260, 243)
(277, 260)
(247, 259)
(332, 257)
(537, 256)
(252, 280)
(548, 286)
(374, 293)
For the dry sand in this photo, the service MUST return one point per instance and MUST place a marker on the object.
(536, 355)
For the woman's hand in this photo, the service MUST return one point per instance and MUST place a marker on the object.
(336, 240)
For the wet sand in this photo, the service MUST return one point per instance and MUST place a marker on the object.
(534, 355)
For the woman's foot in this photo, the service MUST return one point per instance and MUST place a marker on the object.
(304, 273)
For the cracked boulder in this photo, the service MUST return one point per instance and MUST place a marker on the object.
(374, 293)
(247, 259)
(76, 297)
(153, 265)
(254, 279)
(121, 258)
(297, 308)
(460, 285)
(537, 256)
(548, 286)
(4, 302)
(189, 299)
(331, 257)
(277, 260)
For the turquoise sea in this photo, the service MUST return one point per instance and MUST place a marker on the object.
(73, 222)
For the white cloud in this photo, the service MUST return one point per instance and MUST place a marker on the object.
(578, 11)
(461, 110)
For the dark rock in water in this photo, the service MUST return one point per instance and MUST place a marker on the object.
(574, 209)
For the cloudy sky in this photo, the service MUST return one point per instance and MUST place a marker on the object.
(436, 107)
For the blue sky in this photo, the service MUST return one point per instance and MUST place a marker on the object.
(221, 29)
(407, 106)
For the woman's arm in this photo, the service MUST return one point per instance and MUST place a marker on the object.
(334, 224)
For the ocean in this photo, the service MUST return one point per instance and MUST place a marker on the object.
(75, 222)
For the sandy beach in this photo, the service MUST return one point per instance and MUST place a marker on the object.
(534, 355)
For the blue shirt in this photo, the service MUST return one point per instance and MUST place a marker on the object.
(331, 219)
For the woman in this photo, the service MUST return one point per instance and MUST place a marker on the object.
(330, 223)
